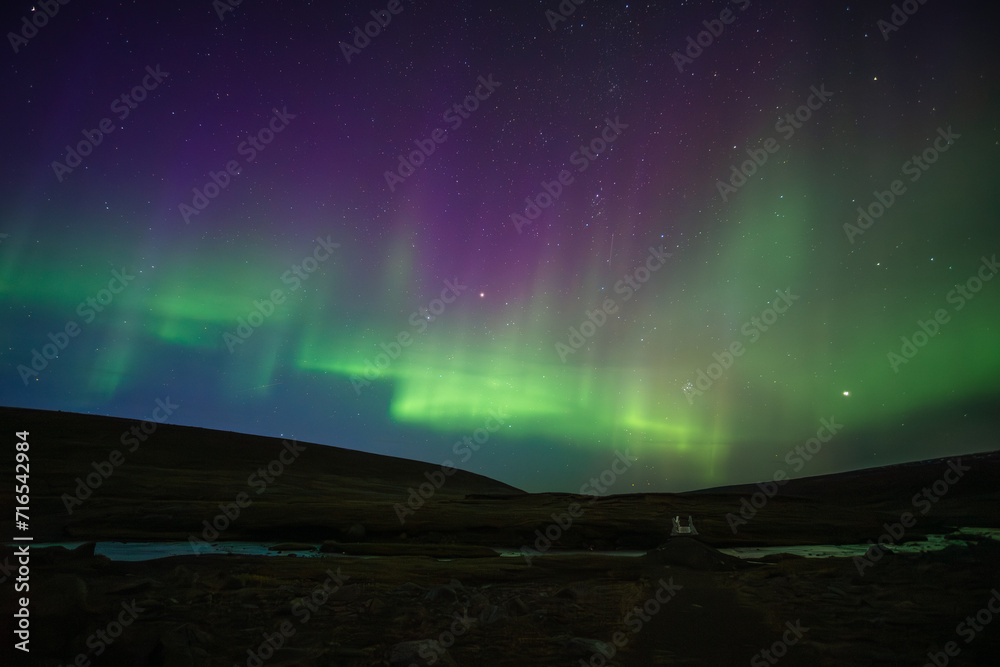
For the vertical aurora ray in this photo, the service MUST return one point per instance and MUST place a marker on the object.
(310, 365)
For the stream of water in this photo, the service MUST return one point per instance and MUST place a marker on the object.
(138, 551)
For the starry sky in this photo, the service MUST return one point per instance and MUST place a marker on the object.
(688, 231)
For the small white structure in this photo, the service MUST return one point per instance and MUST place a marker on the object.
(678, 529)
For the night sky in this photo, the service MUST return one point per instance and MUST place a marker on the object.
(539, 222)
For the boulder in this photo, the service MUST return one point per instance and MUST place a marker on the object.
(689, 552)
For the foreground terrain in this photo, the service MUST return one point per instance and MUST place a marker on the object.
(432, 590)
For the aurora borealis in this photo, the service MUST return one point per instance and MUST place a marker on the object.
(380, 241)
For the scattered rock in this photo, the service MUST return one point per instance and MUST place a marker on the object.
(49, 555)
(356, 532)
(441, 593)
(478, 602)
(131, 585)
(517, 607)
(406, 654)
(59, 610)
(689, 552)
(292, 546)
(85, 550)
(330, 546)
(409, 588)
(582, 646)
(346, 593)
(491, 614)
(566, 594)
(182, 577)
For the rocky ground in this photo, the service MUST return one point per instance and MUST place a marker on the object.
(400, 611)
(429, 591)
